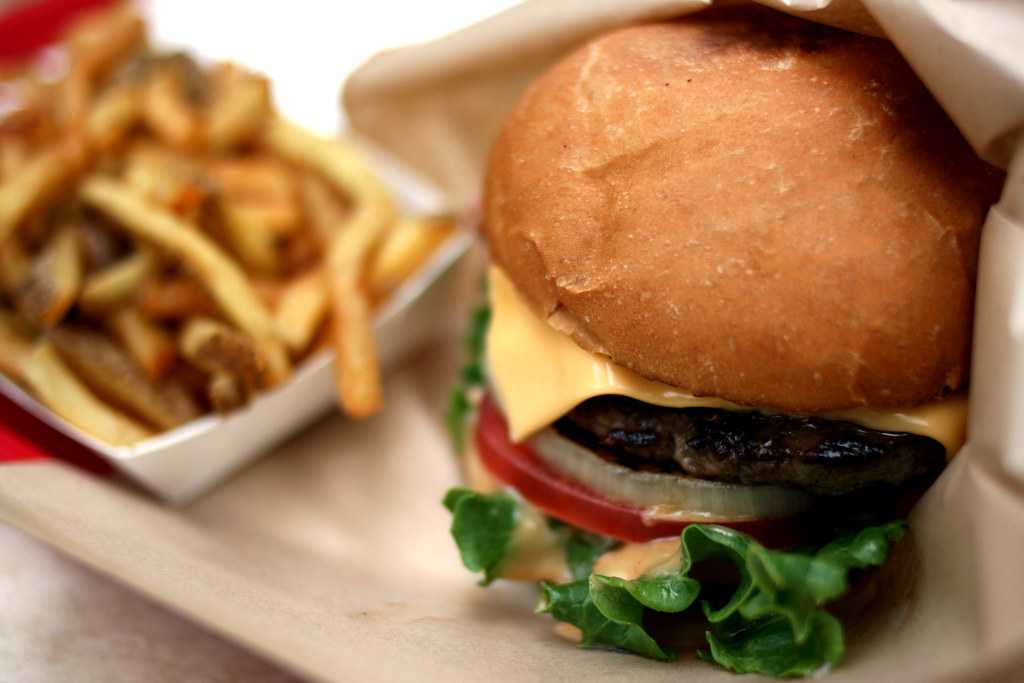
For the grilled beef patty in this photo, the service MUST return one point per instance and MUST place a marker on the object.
(814, 454)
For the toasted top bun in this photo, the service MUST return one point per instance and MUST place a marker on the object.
(748, 206)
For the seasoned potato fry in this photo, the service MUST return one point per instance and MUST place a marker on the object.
(26, 116)
(241, 104)
(211, 245)
(326, 214)
(101, 248)
(261, 188)
(252, 240)
(357, 372)
(226, 393)
(53, 281)
(114, 376)
(174, 299)
(74, 96)
(115, 286)
(213, 347)
(39, 179)
(336, 161)
(164, 177)
(404, 250)
(94, 44)
(301, 310)
(255, 180)
(270, 290)
(52, 381)
(13, 155)
(15, 265)
(166, 112)
(150, 346)
(356, 367)
(104, 37)
(112, 116)
(222, 277)
(15, 347)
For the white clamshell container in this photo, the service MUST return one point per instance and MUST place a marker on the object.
(182, 463)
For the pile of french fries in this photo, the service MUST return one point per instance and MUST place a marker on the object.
(169, 245)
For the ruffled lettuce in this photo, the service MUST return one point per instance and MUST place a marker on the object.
(471, 377)
(774, 621)
(482, 526)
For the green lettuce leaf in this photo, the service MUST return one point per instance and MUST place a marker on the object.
(582, 549)
(482, 526)
(611, 621)
(773, 623)
(471, 376)
(768, 646)
(609, 611)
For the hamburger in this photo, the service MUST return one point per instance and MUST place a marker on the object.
(727, 336)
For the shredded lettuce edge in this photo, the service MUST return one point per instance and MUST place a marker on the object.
(775, 621)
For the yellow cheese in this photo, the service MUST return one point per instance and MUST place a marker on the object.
(540, 374)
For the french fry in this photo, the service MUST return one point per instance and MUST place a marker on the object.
(101, 247)
(214, 348)
(221, 276)
(13, 155)
(301, 310)
(279, 366)
(152, 348)
(165, 177)
(261, 187)
(357, 372)
(113, 287)
(15, 265)
(226, 393)
(336, 161)
(55, 385)
(53, 281)
(270, 290)
(104, 37)
(174, 299)
(404, 250)
(245, 232)
(26, 109)
(240, 105)
(326, 214)
(166, 112)
(74, 95)
(252, 240)
(113, 375)
(15, 347)
(36, 182)
(94, 44)
(112, 116)
(255, 180)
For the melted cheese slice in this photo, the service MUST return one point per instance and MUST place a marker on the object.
(540, 374)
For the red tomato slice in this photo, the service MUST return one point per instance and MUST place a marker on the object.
(518, 466)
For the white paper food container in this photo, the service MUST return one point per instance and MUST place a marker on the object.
(182, 463)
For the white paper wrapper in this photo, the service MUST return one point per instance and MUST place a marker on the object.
(333, 556)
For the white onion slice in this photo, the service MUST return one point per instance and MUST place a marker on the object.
(666, 497)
